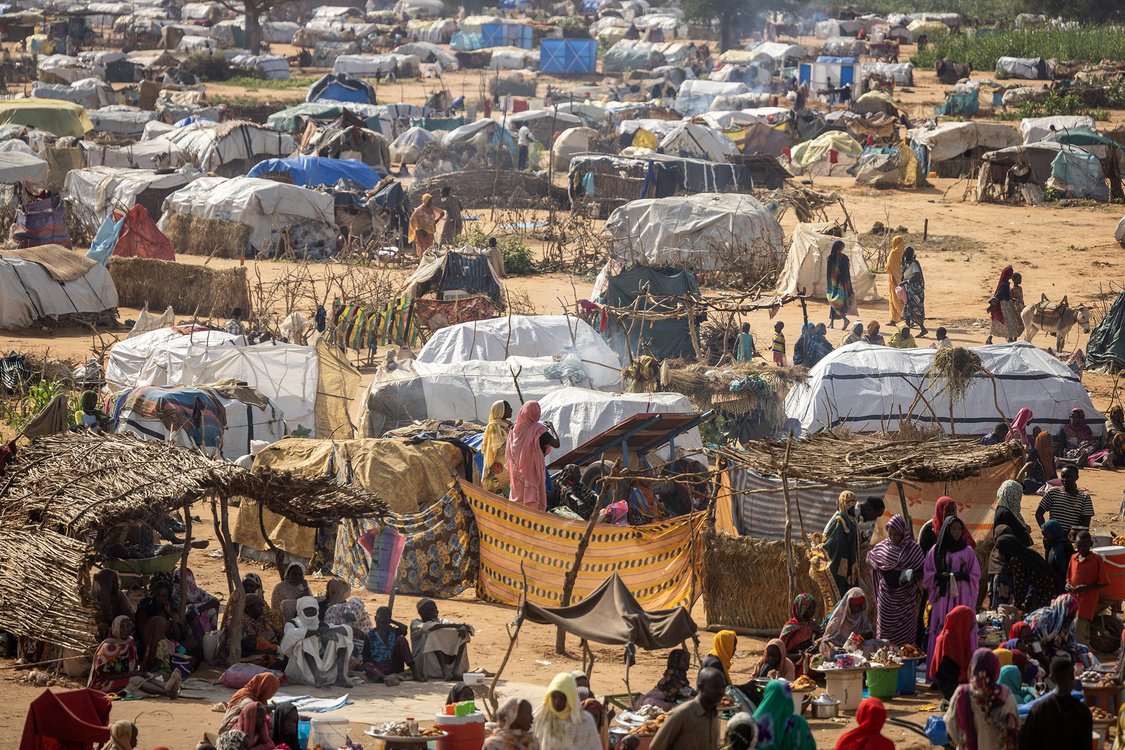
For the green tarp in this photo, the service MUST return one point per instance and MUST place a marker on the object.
(62, 118)
(1107, 340)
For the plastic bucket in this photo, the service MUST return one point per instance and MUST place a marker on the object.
(883, 683)
(846, 686)
(328, 733)
(303, 728)
(1114, 557)
(462, 732)
(907, 677)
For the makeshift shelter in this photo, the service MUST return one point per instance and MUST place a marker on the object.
(372, 66)
(570, 142)
(220, 420)
(640, 305)
(92, 194)
(568, 56)
(588, 414)
(230, 148)
(532, 336)
(341, 87)
(752, 508)
(806, 264)
(60, 118)
(49, 283)
(696, 97)
(873, 388)
(1107, 341)
(162, 357)
(248, 216)
(1029, 68)
(130, 234)
(543, 123)
(1021, 174)
(266, 67)
(90, 93)
(889, 167)
(611, 615)
(349, 142)
(409, 145)
(314, 171)
(829, 150)
(294, 119)
(17, 166)
(153, 154)
(630, 54)
(709, 232)
(1035, 129)
(955, 148)
(465, 271)
(693, 141)
(93, 485)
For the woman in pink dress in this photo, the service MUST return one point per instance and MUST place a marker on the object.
(951, 577)
(528, 443)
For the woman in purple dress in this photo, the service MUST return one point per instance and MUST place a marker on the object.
(951, 577)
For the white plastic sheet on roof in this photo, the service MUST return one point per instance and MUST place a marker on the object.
(212, 144)
(705, 232)
(16, 165)
(581, 414)
(369, 65)
(694, 141)
(696, 97)
(267, 207)
(29, 293)
(142, 155)
(94, 192)
(162, 357)
(865, 387)
(526, 336)
(951, 139)
(1035, 129)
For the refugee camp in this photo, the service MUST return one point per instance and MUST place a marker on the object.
(562, 375)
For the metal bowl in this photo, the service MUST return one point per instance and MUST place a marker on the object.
(825, 708)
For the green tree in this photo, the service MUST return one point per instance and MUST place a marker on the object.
(733, 16)
(1086, 11)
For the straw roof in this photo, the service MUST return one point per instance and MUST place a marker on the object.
(837, 461)
(72, 489)
(82, 484)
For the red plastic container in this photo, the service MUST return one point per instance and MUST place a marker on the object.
(1114, 557)
(463, 732)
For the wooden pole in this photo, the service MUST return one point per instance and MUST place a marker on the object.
(572, 574)
(925, 230)
(235, 607)
(513, 636)
(693, 329)
(905, 509)
(789, 562)
(184, 556)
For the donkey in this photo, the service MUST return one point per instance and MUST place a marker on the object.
(1054, 318)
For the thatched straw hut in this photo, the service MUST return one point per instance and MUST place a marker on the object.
(70, 490)
(188, 289)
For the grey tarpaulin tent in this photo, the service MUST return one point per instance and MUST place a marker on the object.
(1107, 340)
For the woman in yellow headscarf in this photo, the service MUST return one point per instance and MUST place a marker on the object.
(1004, 655)
(722, 652)
(894, 277)
(561, 723)
(494, 475)
(423, 225)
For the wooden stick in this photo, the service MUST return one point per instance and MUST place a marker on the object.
(490, 699)
(184, 556)
(789, 562)
(572, 574)
(905, 507)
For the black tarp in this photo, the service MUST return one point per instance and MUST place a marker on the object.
(1107, 340)
(612, 616)
(663, 339)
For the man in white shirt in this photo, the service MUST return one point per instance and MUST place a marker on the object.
(523, 142)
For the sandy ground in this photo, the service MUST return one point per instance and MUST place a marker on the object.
(1060, 251)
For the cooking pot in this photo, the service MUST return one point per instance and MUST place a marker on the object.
(825, 707)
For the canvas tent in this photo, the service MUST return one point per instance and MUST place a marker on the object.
(466, 270)
(49, 282)
(16, 166)
(532, 336)
(960, 144)
(229, 417)
(705, 232)
(694, 141)
(588, 414)
(1107, 341)
(866, 388)
(229, 148)
(806, 263)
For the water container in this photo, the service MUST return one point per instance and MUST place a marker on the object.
(328, 732)
(303, 728)
(1114, 557)
(883, 683)
(908, 677)
(462, 732)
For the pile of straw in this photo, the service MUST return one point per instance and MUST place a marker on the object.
(196, 235)
(733, 598)
(189, 289)
(955, 368)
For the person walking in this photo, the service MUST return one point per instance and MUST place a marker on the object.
(841, 296)
(1006, 322)
(914, 306)
(894, 278)
(453, 225)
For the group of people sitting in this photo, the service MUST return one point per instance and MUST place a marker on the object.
(1074, 444)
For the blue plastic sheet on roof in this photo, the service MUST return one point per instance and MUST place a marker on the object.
(319, 170)
(568, 56)
(191, 120)
(830, 59)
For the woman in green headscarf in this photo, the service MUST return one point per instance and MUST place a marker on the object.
(1010, 678)
(779, 728)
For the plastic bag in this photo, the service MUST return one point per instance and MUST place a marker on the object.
(237, 675)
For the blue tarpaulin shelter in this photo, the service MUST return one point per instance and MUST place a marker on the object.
(568, 56)
(341, 87)
(506, 35)
(319, 170)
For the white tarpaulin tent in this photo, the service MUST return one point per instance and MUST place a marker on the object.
(949, 140)
(48, 282)
(17, 165)
(495, 339)
(581, 414)
(92, 193)
(703, 232)
(696, 96)
(367, 66)
(461, 390)
(267, 207)
(1035, 129)
(866, 388)
(806, 265)
(158, 154)
(165, 356)
(410, 144)
(212, 145)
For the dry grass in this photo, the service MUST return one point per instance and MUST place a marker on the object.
(196, 235)
(189, 289)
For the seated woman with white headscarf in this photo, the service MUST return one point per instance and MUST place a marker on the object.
(318, 653)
